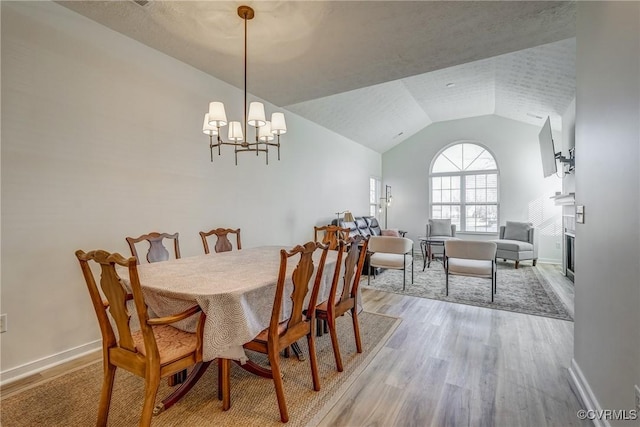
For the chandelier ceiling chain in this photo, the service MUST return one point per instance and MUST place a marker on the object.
(265, 130)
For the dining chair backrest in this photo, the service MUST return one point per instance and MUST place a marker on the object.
(223, 244)
(302, 285)
(351, 255)
(157, 251)
(116, 297)
(331, 235)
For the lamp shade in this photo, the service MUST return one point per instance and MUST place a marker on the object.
(348, 216)
(235, 131)
(217, 115)
(278, 124)
(264, 132)
(256, 115)
(208, 129)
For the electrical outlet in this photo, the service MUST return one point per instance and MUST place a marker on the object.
(637, 398)
(557, 245)
(3, 323)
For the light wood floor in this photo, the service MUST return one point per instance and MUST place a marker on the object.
(458, 365)
(453, 365)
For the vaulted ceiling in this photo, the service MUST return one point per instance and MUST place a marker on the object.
(373, 71)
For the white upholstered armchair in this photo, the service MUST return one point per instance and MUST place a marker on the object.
(390, 252)
(473, 258)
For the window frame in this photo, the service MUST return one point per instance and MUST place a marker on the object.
(462, 174)
(375, 205)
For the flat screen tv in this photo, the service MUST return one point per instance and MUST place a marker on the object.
(547, 150)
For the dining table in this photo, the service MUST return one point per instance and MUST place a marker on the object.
(235, 290)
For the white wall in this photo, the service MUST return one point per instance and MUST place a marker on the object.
(569, 179)
(524, 193)
(101, 139)
(607, 300)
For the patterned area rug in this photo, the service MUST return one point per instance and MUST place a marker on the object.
(523, 290)
(72, 399)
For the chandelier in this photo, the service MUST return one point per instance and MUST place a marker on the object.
(265, 131)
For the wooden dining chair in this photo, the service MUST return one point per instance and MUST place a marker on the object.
(331, 235)
(155, 351)
(282, 334)
(157, 251)
(223, 244)
(354, 253)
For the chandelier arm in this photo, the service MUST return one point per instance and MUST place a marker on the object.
(250, 149)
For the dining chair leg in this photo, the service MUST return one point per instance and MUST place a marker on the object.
(224, 383)
(152, 382)
(105, 395)
(356, 328)
(313, 358)
(335, 344)
(277, 381)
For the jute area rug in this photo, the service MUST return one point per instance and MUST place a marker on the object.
(72, 399)
(522, 290)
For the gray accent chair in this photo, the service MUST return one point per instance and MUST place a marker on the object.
(440, 229)
(517, 242)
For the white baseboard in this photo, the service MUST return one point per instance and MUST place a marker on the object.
(581, 386)
(550, 261)
(31, 368)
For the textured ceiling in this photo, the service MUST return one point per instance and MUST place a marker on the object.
(527, 85)
(374, 71)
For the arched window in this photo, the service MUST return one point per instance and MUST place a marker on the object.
(464, 187)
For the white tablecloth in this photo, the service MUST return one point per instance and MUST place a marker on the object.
(235, 289)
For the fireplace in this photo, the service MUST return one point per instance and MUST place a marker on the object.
(570, 254)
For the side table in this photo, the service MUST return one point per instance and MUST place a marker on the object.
(425, 247)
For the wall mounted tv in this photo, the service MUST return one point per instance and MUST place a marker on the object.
(548, 152)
